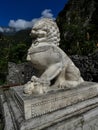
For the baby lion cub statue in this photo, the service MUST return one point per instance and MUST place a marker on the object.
(57, 69)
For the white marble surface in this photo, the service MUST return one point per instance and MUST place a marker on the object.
(46, 55)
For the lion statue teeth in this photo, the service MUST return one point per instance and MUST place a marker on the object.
(57, 69)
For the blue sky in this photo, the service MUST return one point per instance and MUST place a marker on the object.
(14, 12)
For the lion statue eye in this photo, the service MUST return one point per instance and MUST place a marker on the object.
(35, 43)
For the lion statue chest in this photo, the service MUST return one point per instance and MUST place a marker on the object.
(44, 55)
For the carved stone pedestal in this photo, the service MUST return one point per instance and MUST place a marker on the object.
(75, 109)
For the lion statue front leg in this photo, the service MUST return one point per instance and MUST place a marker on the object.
(36, 85)
(42, 85)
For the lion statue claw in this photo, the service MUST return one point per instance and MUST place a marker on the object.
(57, 69)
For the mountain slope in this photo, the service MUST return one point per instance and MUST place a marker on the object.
(78, 24)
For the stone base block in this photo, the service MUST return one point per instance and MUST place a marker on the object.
(77, 109)
(35, 105)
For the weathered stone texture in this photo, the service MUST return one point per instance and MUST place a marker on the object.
(36, 105)
(19, 73)
(88, 66)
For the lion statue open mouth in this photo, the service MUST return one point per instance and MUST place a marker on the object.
(57, 69)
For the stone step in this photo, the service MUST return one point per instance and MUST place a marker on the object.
(45, 121)
(11, 110)
(9, 122)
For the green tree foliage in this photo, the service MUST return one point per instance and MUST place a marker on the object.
(76, 39)
(18, 53)
(78, 24)
(13, 48)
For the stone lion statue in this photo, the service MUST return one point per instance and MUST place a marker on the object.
(56, 68)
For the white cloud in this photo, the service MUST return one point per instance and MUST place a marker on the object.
(47, 13)
(1, 29)
(7, 30)
(23, 24)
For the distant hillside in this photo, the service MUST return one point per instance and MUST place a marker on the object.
(78, 24)
(7, 30)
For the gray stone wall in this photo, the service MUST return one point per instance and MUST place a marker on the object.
(88, 66)
(19, 73)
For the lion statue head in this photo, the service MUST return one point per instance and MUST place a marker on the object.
(46, 29)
